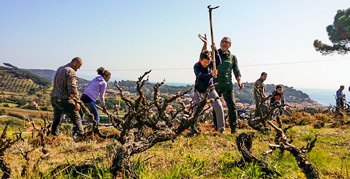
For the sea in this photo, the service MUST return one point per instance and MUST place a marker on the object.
(325, 97)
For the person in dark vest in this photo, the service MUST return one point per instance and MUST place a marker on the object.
(223, 82)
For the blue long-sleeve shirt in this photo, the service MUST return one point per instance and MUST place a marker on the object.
(204, 79)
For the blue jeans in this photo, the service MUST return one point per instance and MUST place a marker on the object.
(93, 109)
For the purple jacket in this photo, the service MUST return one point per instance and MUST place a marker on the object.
(95, 87)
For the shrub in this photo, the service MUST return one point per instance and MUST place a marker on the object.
(2, 112)
(16, 115)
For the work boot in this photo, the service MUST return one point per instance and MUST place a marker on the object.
(222, 130)
(75, 135)
(54, 133)
(234, 129)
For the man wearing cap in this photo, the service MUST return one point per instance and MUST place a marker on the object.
(223, 81)
(65, 89)
(259, 94)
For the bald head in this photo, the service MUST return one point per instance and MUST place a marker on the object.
(76, 63)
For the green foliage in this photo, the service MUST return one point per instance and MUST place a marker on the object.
(21, 102)
(16, 115)
(21, 81)
(338, 33)
(28, 75)
(80, 172)
(110, 103)
(2, 112)
(112, 147)
(190, 168)
(229, 169)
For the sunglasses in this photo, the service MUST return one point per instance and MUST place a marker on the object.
(225, 41)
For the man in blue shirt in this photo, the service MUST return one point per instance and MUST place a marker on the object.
(340, 98)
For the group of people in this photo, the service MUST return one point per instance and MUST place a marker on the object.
(217, 79)
(64, 96)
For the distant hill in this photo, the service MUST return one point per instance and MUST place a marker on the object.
(244, 96)
(47, 74)
(291, 95)
(14, 79)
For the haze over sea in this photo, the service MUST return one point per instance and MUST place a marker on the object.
(325, 97)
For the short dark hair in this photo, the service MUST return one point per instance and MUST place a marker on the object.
(77, 59)
(263, 73)
(279, 86)
(205, 55)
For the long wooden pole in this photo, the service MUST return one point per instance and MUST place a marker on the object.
(212, 34)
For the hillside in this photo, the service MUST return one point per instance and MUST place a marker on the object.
(291, 95)
(244, 96)
(15, 80)
(45, 73)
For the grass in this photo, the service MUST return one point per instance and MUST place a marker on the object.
(201, 156)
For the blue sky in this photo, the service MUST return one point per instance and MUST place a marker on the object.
(126, 35)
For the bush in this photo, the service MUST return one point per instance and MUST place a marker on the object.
(2, 112)
(113, 147)
(21, 102)
(16, 115)
(311, 110)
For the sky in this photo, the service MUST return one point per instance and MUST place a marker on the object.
(129, 37)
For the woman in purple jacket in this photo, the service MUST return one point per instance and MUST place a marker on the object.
(97, 87)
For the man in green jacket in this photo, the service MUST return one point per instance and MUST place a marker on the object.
(223, 82)
(259, 95)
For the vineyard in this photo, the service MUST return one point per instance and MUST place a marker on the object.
(148, 142)
(10, 83)
(208, 155)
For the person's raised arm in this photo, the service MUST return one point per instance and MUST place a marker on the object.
(204, 40)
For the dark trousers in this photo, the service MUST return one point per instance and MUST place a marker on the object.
(340, 105)
(258, 112)
(61, 107)
(229, 97)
